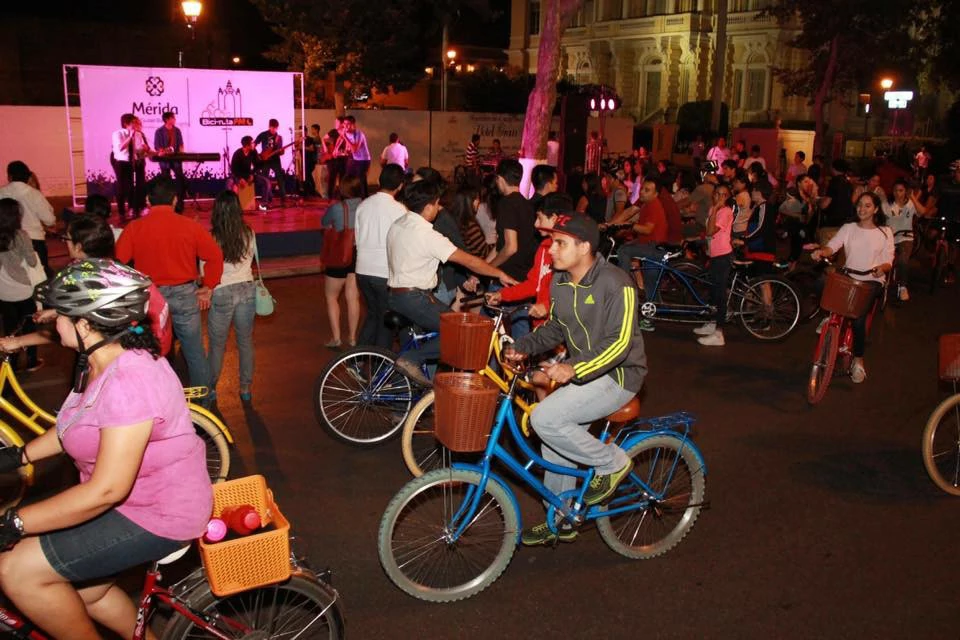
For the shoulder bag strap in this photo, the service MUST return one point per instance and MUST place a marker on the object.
(256, 257)
(346, 215)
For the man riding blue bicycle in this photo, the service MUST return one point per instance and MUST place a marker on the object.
(593, 312)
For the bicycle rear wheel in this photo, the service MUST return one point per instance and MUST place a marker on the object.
(360, 398)
(301, 608)
(671, 469)
(825, 359)
(769, 308)
(218, 449)
(415, 544)
(14, 483)
(941, 445)
(422, 452)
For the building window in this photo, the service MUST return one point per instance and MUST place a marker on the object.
(756, 98)
(577, 20)
(651, 93)
(635, 8)
(737, 89)
(535, 18)
(611, 10)
(684, 86)
(686, 6)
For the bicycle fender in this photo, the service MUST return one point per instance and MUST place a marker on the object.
(492, 477)
(212, 418)
(640, 436)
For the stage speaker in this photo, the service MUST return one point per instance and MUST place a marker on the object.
(574, 112)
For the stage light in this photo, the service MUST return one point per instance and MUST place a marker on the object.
(191, 9)
(603, 104)
(593, 104)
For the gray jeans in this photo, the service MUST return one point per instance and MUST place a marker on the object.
(561, 421)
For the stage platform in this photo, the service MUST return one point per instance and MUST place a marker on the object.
(289, 238)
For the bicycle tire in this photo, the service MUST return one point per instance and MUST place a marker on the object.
(825, 359)
(13, 485)
(386, 421)
(421, 450)
(805, 284)
(499, 512)
(785, 306)
(307, 589)
(929, 448)
(632, 521)
(218, 449)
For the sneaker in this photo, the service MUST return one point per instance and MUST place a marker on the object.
(857, 373)
(706, 330)
(646, 324)
(541, 534)
(602, 487)
(412, 371)
(904, 294)
(822, 324)
(715, 339)
(261, 207)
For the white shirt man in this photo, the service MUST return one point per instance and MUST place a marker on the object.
(719, 153)
(37, 211)
(395, 153)
(120, 143)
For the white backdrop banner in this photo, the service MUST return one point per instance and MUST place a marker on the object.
(214, 110)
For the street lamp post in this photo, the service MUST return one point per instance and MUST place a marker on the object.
(449, 57)
(191, 11)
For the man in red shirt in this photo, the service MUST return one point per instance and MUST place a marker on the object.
(672, 211)
(166, 247)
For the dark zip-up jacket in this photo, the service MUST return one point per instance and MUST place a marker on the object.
(597, 320)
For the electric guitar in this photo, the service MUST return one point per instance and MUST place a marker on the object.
(269, 153)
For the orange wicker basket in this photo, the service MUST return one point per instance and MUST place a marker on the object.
(845, 295)
(465, 340)
(254, 560)
(950, 357)
(464, 407)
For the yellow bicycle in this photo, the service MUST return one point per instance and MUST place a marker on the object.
(215, 434)
(422, 452)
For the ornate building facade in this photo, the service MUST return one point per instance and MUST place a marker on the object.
(659, 55)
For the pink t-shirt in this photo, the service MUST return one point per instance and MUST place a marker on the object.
(171, 496)
(720, 241)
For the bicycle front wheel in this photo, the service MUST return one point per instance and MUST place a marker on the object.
(416, 543)
(769, 308)
(301, 608)
(360, 398)
(823, 363)
(14, 483)
(218, 449)
(672, 471)
(941, 445)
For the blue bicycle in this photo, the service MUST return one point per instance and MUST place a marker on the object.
(361, 398)
(451, 533)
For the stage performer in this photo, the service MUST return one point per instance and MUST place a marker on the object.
(359, 162)
(121, 142)
(337, 165)
(271, 149)
(168, 139)
(141, 151)
(243, 169)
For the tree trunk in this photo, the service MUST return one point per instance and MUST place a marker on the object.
(536, 125)
(820, 99)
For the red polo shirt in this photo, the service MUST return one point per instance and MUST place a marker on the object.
(653, 212)
(166, 245)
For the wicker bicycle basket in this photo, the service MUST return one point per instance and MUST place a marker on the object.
(464, 407)
(950, 357)
(254, 560)
(845, 295)
(465, 340)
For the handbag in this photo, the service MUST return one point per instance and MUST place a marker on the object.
(264, 301)
(338, 246)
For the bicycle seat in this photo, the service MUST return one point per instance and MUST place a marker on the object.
(395, 321)
(176, 555)
(626, 413)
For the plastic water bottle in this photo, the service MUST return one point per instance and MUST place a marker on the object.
(241, 519)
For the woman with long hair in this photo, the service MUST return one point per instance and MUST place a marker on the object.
(339, 280)
(16, 288)
(867, 246)
(463, 207)
(486, 217)
(234, 299)
(593, 202)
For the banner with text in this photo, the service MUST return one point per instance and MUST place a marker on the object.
(214, 109)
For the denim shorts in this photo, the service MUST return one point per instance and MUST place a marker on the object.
(102, 547)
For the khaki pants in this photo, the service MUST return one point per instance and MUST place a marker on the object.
(320, 180)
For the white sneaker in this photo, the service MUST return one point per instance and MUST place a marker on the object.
(262, 207)
(822, 324)
(857, 373)
(904, 294)
(715, 339)
(706, 330)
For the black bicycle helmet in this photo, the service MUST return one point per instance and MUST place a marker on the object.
(103, 291)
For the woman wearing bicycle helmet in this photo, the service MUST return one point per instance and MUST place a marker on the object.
(144, 489)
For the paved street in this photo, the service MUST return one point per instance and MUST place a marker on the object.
(822, 522)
